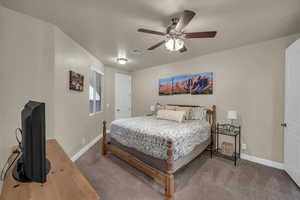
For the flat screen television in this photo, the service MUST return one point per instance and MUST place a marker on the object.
(33, 166)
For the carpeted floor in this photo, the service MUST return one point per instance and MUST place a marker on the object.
(203, 178)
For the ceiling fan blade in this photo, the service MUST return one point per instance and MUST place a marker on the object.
(210, 34)
(150, 31)
(184, 20)
(157, 45)
(183, 49)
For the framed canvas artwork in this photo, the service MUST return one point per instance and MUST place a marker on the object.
(165, 86)
(195, 84)
(202, 83)
(76, 81)
(182, 84)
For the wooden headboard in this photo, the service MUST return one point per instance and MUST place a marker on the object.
(211, 118)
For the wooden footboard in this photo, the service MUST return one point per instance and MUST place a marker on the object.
(167, 179)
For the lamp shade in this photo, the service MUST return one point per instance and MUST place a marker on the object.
(232, 114)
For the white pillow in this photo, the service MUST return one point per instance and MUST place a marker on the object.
(187, 110)
(199, 113)
(171, 115)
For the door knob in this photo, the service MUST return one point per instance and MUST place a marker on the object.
(118, 110)
(283, 124)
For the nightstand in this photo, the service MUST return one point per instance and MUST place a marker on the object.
(231, 131)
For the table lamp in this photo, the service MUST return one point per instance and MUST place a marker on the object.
(232, 115)
(153, 108)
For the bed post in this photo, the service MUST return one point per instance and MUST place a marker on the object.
(169, 186)
(170, 156)
(104, 151)
(214, 127)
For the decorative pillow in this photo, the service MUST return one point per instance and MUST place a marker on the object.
(187, 110)
(167, 107)
(171, 115)
(199, 113)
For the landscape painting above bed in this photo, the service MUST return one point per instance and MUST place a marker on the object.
(181, 84)
(202, 83)
(165, 86)
(187, 84)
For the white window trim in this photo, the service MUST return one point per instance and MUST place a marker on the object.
(93, 68)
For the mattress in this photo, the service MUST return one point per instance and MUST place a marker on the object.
(149, 135)
(159, 163)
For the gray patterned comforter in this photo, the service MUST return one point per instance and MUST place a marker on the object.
(149, 135)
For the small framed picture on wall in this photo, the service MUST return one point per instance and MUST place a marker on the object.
(76, 81)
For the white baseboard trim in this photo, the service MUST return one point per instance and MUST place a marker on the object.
(262, 161)
(244, 156)
(86, 148)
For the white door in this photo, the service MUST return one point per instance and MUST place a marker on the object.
(122, 96)
(292, 112)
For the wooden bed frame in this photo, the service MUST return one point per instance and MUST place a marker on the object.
(165, 178)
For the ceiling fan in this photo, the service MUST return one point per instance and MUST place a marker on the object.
(175, 35)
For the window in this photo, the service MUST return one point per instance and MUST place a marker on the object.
(95, 99)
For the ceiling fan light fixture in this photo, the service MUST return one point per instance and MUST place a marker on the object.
(174, 44)
(122, 61)
(175, 34)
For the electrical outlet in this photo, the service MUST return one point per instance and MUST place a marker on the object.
(244, 146)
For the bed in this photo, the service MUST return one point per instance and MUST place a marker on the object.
(160, 147)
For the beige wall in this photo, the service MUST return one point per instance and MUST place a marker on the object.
(74, 127)
(35, 58)
(26, 71)
(249, 79)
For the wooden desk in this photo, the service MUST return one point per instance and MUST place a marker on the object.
(64, 181)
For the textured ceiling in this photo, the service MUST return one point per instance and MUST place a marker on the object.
(107, 28)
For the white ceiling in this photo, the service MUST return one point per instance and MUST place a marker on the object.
(107, 28)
